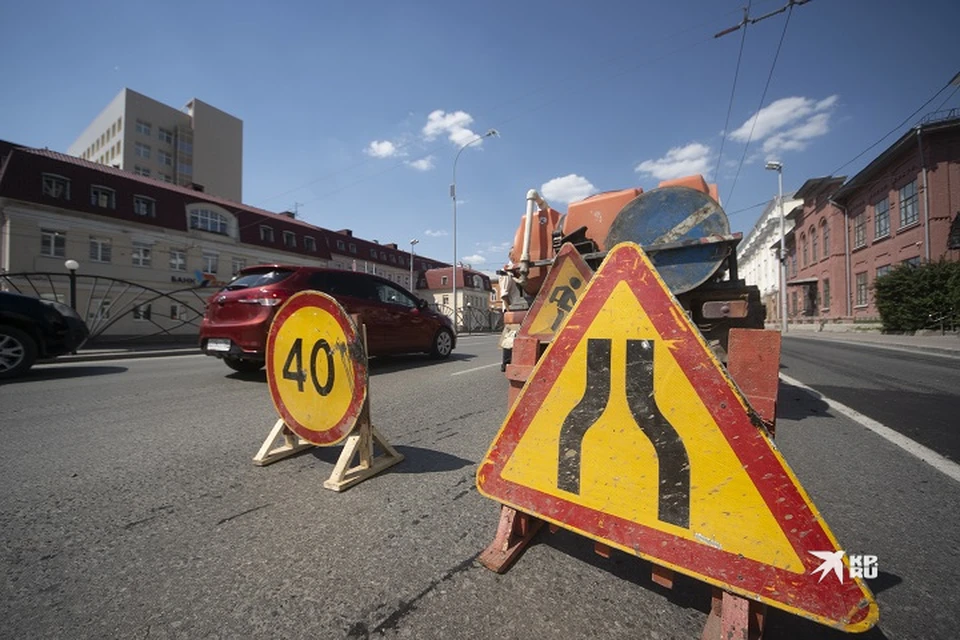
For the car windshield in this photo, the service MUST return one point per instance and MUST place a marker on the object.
(258, 279)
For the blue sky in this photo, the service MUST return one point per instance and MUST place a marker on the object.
(355, 110)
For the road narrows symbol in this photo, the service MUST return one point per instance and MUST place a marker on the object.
(674, 463)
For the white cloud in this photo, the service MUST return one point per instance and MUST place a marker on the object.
(474, 259)
(434, 234)
(788, 124)
(453, 125)
(381, 149)
(679, 161)
(423, 164)
(567, 189)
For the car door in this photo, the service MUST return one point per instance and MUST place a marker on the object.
(407, 328)
(356, 294)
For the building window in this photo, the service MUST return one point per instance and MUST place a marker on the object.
(793, 262)
(392, 258)
(141, 312)
(289, 239)
(100, 249)
(353, 248)
(99, 310)
(803, 247)
(143, 127)
(446, 300)
(266, 233)
(178, 311)
(141, 171)
(373, 253)
(443, 280)
(340, 245)
(141, 254)
(207, 220)
(53, 243)
(164, 135)
(814, 245)
(178, 260)
(826, 239)
(55, 186)
(826, 295)
(862, 289)
(881, 217)
(793, 302)
(909, 212)
(912, 262)
(210, 261)
(141, 150)
(185, 168)
(236, 264)
(309, 243)
(144, 206)
(166, 178)
(860, 230)
(884, 270)
(164, 158)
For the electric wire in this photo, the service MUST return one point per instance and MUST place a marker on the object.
(733, 90)
(763, 97)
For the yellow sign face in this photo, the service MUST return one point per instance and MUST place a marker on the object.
(629, 431)
(566, 281)
(316, 368)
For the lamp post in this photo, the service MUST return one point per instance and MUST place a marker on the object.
(453, 195)
(72, 266)
(413, 243)
(778, 167)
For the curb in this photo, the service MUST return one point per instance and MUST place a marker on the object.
(122, 355)
(890, 346)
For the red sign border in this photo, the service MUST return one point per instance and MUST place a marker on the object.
(343, 428)
(849, 606)
(569, 253)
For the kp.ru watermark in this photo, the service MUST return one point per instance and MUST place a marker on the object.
(861, 566)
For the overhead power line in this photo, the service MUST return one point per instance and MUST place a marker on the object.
(733, 90)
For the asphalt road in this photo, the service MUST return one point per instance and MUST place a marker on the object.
(131, 509)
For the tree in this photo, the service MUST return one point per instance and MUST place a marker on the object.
(911, 298)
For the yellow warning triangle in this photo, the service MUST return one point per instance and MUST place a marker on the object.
(630, 432)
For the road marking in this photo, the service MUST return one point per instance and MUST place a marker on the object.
(486, 366)
(931, 457)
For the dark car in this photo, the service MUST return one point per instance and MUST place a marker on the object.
(32, 329)
(238, 317)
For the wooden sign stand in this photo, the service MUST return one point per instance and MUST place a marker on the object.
(362, 442)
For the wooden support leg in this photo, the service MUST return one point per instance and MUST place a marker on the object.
(514, 533)
(269, 451)
(733, 618)
(360, 445)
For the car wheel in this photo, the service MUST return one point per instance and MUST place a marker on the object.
(18, 352)
(442, 344)
(243, 366)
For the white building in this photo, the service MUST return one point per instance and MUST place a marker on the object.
(757, 253)
(197, 145)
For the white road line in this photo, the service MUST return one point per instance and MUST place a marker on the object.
(486, 366)
(931, 457)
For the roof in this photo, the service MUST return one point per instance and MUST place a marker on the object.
(817, 186)
(434, 278)
(930, 124)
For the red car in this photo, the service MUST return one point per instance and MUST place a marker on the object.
(238, 317)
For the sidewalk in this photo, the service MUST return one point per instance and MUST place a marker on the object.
(933, 343)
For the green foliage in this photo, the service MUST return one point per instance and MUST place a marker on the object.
(913, 298)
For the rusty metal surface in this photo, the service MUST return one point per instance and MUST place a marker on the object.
(668, 216)
(630, 432)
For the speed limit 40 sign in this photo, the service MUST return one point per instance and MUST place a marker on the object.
(316, 368)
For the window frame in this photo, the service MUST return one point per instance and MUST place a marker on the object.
(150, 206)
(54, 235)
(860, 230)
(178, 257)
(55, 186)
(909, 205)
(310, 243)
(266, 233)
(101, 243)
(289, 239)
(861, 289)
(141, 254)
(881, 214)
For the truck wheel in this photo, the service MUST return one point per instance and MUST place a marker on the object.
(442, 344)
(243, 366)
(18, 352)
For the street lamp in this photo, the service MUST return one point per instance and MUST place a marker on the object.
(72, 266)
(778, 167)
(413, 243)
(453, 195)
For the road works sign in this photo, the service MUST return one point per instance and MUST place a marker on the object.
(316, 368)
(630, 432)
(563, 285)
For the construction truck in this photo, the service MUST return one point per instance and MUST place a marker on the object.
(681, 227)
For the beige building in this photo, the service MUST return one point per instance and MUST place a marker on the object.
(198, 145)
(163, 239)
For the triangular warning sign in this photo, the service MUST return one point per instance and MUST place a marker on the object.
(567, 279)
(630, 432)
